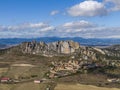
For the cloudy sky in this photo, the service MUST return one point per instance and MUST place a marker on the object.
(60, 18)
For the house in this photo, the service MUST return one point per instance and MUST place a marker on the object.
(113, 80)
(47, 88)
(16, 81)
(4, 80)
(44, 79)
(37, 81)
(51, 75)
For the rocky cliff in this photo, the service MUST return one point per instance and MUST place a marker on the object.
(113, 52)
(59, 47)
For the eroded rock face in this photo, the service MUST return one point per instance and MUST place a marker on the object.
(64, 47)
(60, 48)
(34, 47)
(113, 51)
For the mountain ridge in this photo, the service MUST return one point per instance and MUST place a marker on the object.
(82, 41)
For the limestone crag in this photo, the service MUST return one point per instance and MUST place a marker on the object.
(34, 47)
(59, 47)
(113, 51)
(65, 47)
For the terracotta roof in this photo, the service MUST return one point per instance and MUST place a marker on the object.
(5, 78)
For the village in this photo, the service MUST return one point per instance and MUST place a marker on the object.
(59, 69)
(7, 80)
(71, 67)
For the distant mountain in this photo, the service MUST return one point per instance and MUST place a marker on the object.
(82, 41)
(3, 46)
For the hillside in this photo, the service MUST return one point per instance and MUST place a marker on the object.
(60, 62)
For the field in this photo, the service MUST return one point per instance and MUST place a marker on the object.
(23, 86)
(80, 87)
(60, 86)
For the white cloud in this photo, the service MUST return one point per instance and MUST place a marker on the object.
(113, 36)
(36, 25)
(27, 26)
(27, 30)
(80, 28)
(86, 29)
(115, 5)
(78, 24)
(94, 8)
(48, 28)
(54, 12)
(88, 8)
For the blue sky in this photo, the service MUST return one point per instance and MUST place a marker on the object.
(61, 18)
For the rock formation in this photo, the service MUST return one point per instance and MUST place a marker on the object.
(59, 47)
(113, 51)
(65, 47)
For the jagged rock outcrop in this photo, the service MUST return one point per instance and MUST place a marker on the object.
(34, 47)
(65, 47)
(59, 47)
(113, 51)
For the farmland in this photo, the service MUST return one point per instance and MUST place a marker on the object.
(80, 87)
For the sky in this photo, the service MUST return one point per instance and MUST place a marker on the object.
(59, 18)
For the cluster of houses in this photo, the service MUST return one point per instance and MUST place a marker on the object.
(59, 69)
(8, 80)
(38, 81)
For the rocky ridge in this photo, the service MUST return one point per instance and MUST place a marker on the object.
(59, 47)
(70, 48)
(113, 51)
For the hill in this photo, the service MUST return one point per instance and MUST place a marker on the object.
(59, 62)
(3, 46)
